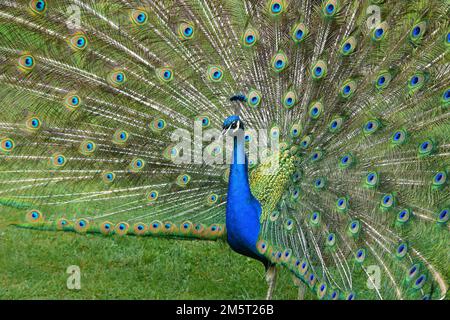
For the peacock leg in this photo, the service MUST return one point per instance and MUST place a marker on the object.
(301, 292)
(271, 276)
(301, 287)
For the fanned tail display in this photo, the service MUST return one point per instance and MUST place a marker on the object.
(102, 103)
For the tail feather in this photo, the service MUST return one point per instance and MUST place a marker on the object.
(94, 93)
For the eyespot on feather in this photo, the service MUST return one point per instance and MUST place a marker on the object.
(38, 6)
(78, 41)
(26, 62)
(250, 37)
(138, 17)
(186, 30)
(165, 74)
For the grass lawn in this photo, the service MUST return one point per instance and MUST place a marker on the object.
(33, 266)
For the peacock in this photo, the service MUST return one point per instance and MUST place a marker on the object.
(312, 136)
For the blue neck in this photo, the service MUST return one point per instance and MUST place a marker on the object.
(243, 210)
(239, 186)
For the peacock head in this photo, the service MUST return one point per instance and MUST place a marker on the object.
(233, 123)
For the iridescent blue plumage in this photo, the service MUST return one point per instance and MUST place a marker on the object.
(243, 210)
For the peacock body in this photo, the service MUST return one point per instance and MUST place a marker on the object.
(101, 102)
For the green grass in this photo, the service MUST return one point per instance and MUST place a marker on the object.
(33, 266)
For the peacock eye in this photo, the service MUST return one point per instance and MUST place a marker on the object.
(360, 255)
(404, 216)
(354, 227)
(38, 6)
(81, 42)
(379, 32)
(371, 126)
(346, 89)
(279, 61)
(186, 30)
(28, 61)
(87, 147)
(335, 125)
(417, 32)
(330, 8)
(446, 95)
(426, 147)
(250, 37)
(299, 32)
(319, 70)
(387, 201)
(253, 98)
(443, 216)
(276, 7)
(439, 180)
(215, 73)
(348, 46)
(165, 74)
(33, 123)
(319, 183)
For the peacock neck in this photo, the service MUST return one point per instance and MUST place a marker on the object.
(239, 186)
(243, 209)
